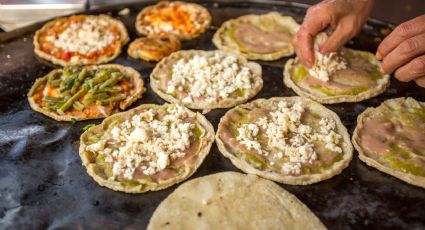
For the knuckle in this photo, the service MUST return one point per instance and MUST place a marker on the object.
(317, 10)
(302, 32)
(347, 35)
(350, 29)
(409, 46)
(418, 65)
(314, 9)
(405, 29)
(302, 36)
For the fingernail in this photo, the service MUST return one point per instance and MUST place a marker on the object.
(378, 56)
(381, 70)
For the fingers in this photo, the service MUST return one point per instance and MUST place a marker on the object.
(402, 32)
(303, 44)
(403, 53)
(315, 21)
(421, 82)
(342, 34)
(415, 69)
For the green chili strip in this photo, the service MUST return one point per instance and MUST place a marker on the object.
(79, 80)
(71, 101)
(52, 99)
(37, 84)
(67, 72)
(54, 80)
(66, 95)
(96, 86)
(98, 96)
(67, 84)
(111, 81)
(78, 106)
(92, 97)
(86, 86)
(109, 90)
(55, 83)
(99, 77)
(112, 99)
(88, 98)
(85, 128)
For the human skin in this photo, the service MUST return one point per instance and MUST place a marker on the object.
(401, 52)
(345, 17)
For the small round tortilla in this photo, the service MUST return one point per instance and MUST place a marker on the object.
(124, 38)
(223, 42)
(371, 112)
(94, 171)
(302, 179)
(153, 48)
(381, 86)
(130, 73)
(203, 19)
(165, 65)
(231, 200)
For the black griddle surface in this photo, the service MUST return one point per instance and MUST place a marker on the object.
(44, 186)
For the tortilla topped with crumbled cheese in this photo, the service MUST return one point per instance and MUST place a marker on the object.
(290, 140)
(147, 148)
(206, 79)
(80, 40)
(344, 76)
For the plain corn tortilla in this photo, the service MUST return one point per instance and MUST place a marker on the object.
(231, 200)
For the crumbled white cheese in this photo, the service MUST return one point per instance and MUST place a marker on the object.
(288, 138)
(246, 136)
(93, 34)
(211, 78)
(146, 142)
(325, 65)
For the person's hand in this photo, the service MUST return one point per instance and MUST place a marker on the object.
(345, 17)
(403, 51)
